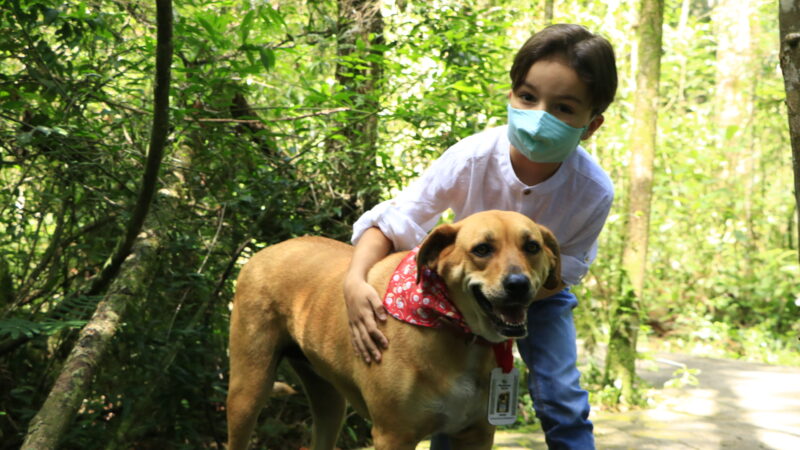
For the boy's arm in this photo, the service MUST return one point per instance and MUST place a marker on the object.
(364, 304)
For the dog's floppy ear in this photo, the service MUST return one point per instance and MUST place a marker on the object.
(439, 239)
(551, 247)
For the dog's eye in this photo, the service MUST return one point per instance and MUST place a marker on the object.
(482, 250)
(532, 247)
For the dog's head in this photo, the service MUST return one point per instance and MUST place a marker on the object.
(493, 263)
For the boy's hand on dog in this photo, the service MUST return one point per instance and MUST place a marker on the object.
(364, 307)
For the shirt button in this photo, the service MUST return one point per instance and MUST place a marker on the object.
(526, 191)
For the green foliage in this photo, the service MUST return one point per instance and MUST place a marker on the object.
(526, 416)
(606, 395)
(449, 81)
(14, 328)
(683, 377)
(721, 255)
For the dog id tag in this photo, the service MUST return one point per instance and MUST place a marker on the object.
(503, 396)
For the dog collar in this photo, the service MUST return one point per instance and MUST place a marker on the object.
(503, 355)
(422, 302)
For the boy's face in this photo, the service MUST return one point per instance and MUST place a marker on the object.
(552, 86)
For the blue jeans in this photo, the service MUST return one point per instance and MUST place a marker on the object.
(554, 382)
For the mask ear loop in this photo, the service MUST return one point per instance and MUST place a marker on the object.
(586, 128)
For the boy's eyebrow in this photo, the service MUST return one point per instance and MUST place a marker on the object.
(560, 97)
(570, 97)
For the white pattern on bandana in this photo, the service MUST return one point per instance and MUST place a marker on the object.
(424, 303)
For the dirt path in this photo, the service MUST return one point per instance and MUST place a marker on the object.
(736, 405)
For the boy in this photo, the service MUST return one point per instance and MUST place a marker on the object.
(563, 79)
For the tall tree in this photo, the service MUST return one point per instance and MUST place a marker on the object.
(790, 65)
(51, 422)
(735, 73)
(359, 72)
(548, 11)
(732, 30)
(620, 369)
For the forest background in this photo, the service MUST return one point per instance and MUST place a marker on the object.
(289, 118)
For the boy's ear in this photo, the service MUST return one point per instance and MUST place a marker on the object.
(593, 126)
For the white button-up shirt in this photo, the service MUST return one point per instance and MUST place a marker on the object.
(476, 175)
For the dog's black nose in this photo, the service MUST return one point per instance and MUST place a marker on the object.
(517, 284)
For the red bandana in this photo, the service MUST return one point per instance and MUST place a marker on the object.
(424, 303)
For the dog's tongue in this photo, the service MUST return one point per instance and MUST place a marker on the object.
(511, 315)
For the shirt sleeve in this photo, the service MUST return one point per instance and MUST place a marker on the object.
(579, 253)
(407, 218)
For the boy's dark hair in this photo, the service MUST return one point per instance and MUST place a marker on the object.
(589, 55)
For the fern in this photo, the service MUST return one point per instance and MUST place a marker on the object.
(15, 328)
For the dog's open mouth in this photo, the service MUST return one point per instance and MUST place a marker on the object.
(510, 320)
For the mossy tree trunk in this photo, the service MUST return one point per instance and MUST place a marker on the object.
(790, 65)
(130, 259)
(50, 424)
(620, 361)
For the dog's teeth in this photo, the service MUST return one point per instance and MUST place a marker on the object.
(512, 316)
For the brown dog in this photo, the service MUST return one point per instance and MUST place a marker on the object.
(289, 305)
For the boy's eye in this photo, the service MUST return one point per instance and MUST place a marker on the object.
(527, 97)
(566, 109)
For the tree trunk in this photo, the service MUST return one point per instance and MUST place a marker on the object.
(359, 72)
(548, 12)
(620, 370)
(49, 425)
(732, 31)
(158, 139)
(734, 110)
(790, 65)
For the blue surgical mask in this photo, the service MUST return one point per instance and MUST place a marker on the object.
(542, 137)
